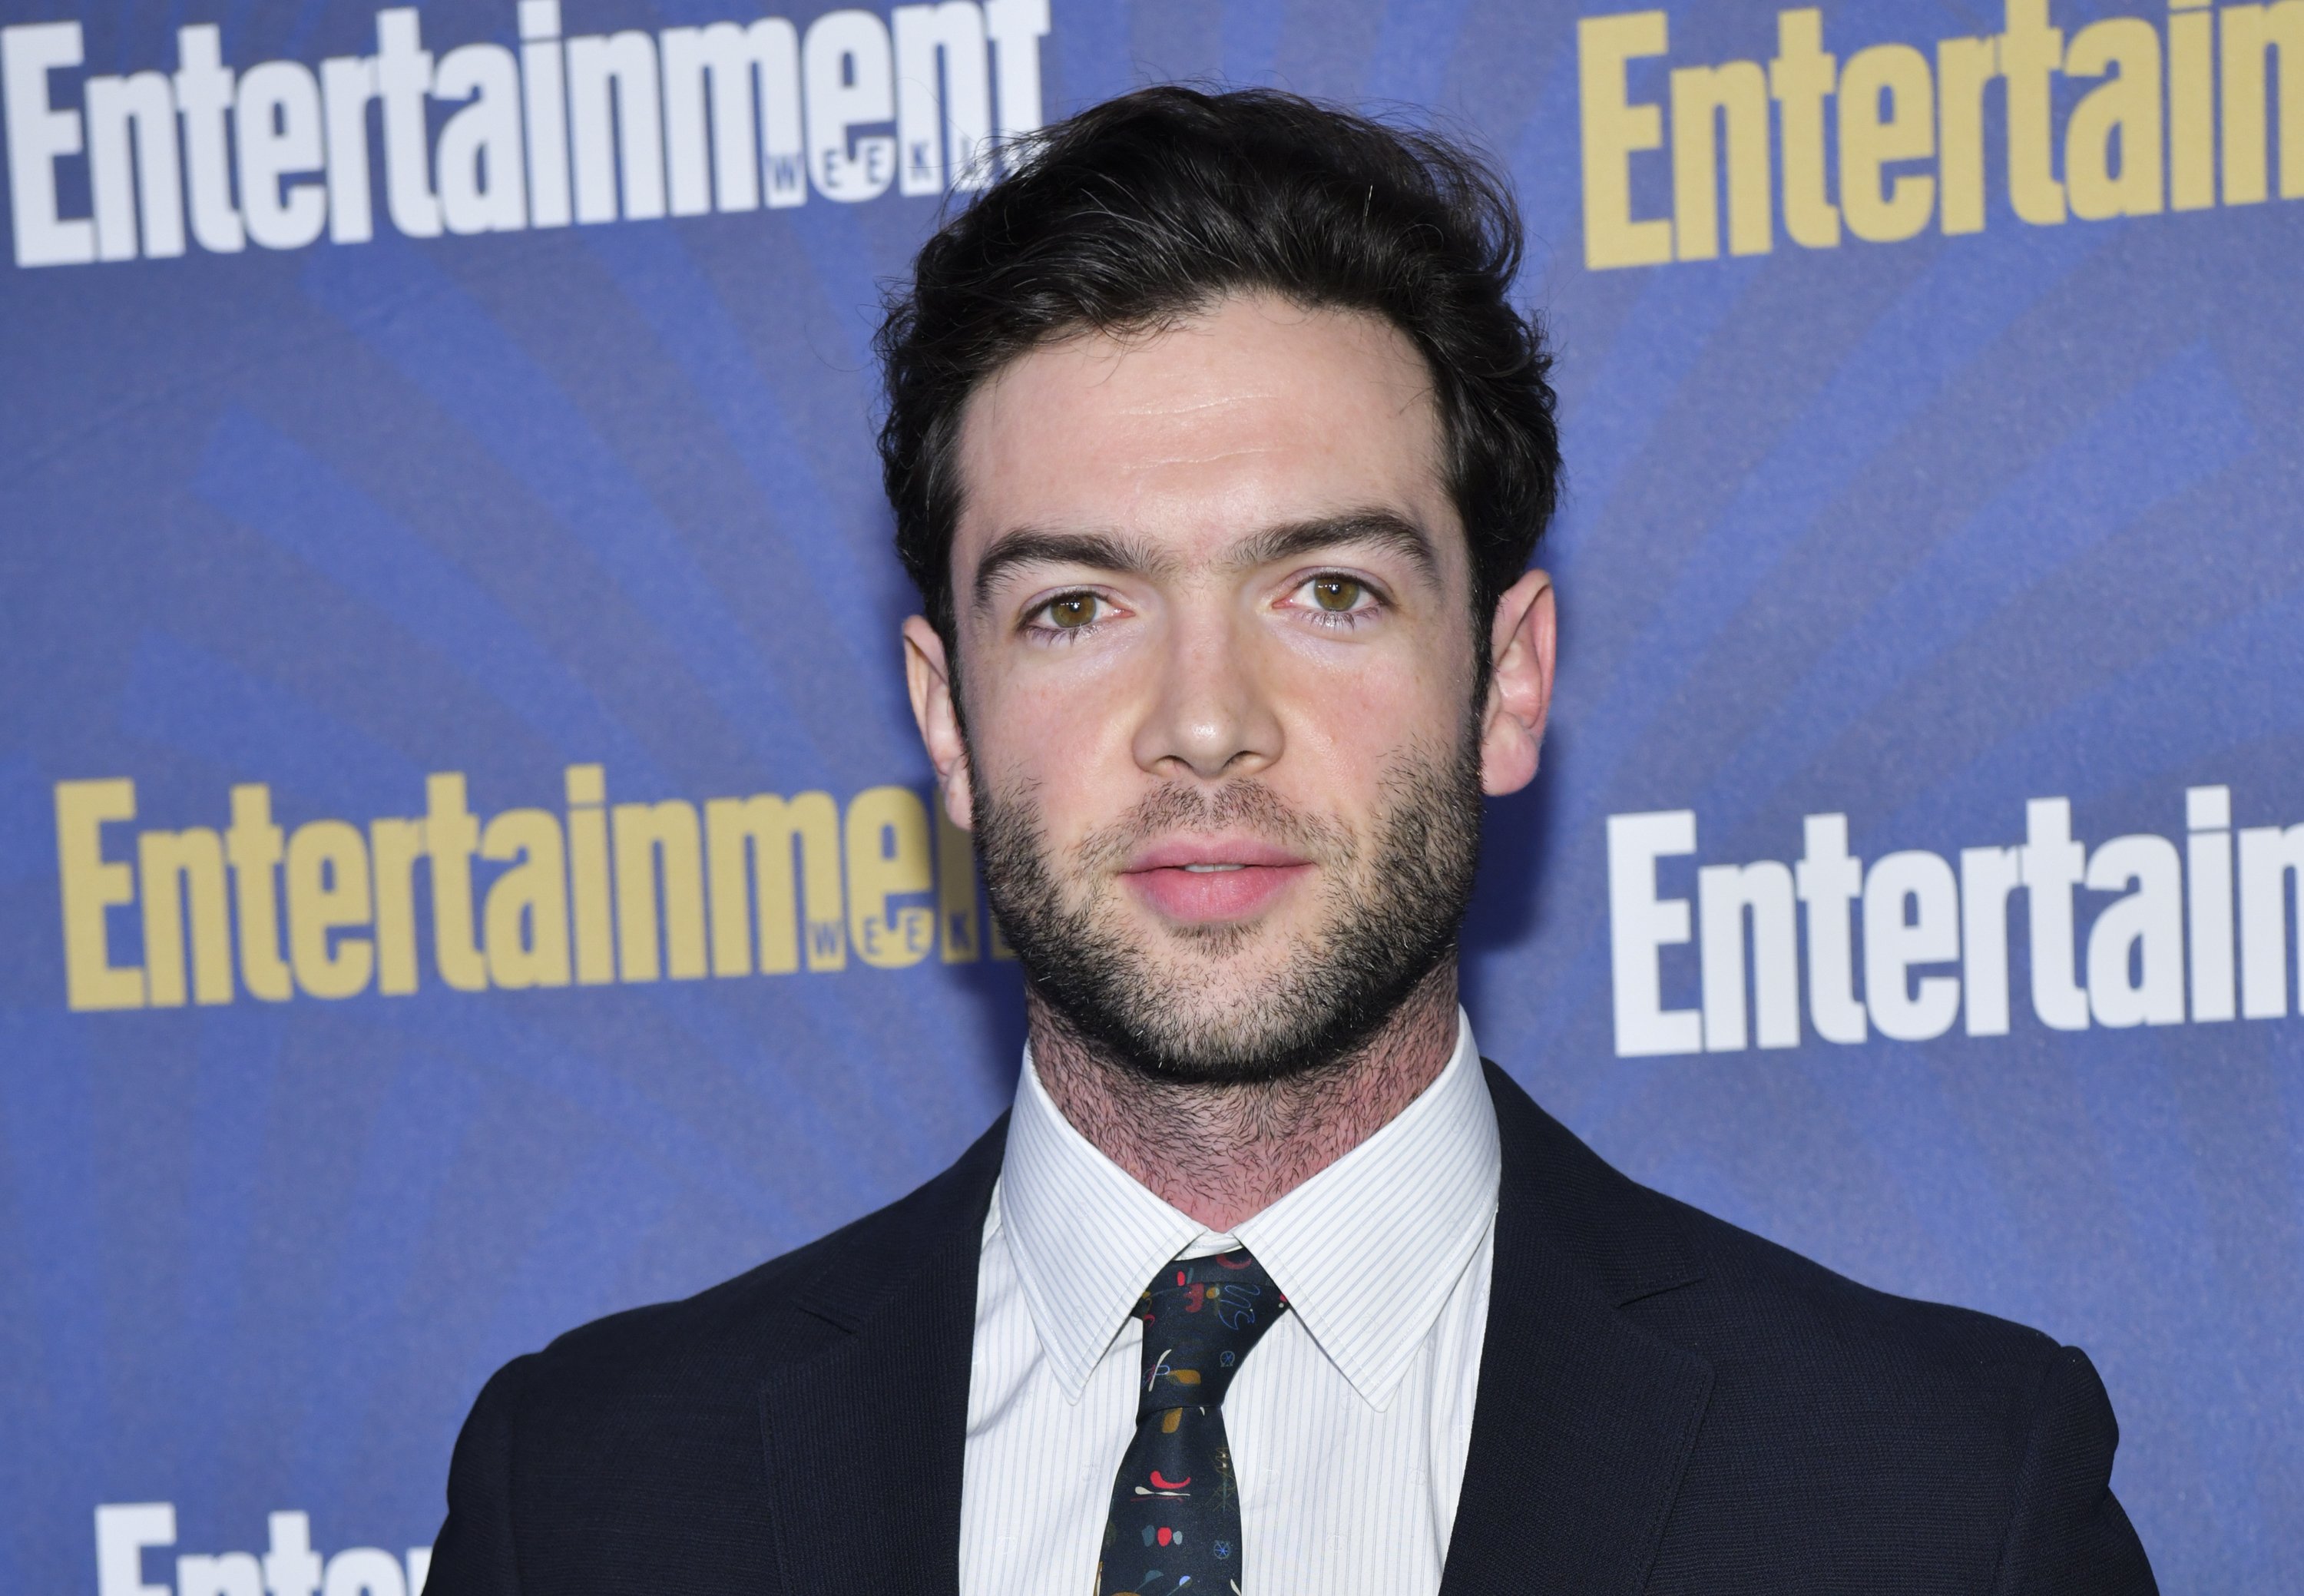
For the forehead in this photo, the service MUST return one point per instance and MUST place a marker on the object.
(1254, 413)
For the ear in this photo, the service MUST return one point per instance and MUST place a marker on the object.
(928, 676)
(1520, 650)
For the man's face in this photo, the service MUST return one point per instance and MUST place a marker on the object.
(1212, 606)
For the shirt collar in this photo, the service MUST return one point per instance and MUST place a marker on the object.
(1366, 1250)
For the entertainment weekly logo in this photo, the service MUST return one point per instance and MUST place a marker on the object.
(587, 894)
(625, 126)
(132, 1537)
(2118, 117)
(2136, 930)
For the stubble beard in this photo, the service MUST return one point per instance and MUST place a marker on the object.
(1208, 1006)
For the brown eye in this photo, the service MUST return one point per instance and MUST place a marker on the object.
(1335, 592)
(1072, 611)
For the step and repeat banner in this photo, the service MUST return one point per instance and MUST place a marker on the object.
(466, 865)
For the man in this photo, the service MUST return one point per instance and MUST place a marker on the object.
(1219, 453)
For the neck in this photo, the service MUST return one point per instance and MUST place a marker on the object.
(1225, 1154)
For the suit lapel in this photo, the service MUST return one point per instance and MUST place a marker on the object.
(866, 1438)
(1584, 1420)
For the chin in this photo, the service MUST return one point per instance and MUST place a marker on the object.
(1244, 954)
(1219, 1020)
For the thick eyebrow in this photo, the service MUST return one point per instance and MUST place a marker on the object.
(1132, 556)
(1385, 528)
(1098, 551)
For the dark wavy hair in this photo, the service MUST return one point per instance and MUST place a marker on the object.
(1142, 211)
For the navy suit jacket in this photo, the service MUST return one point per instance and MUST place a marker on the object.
(1666, 1404)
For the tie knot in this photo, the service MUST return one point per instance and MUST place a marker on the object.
(1201, 1316)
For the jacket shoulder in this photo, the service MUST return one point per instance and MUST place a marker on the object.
(1761, 1299)
(1846, 1428)
(783, 1310)
(1742, 1301)
(628, 1454)
(1845, 1421)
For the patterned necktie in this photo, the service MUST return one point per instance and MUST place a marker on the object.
(1175, 1524)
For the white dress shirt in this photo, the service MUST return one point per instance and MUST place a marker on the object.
(1349, 1420)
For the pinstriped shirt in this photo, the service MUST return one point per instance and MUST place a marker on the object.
(1349, 1424)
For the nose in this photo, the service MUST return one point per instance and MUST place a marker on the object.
(1210, 714)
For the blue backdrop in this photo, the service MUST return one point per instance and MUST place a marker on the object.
(1931, 412)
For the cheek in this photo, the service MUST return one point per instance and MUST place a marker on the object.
(1347, 717)
(1067, 744)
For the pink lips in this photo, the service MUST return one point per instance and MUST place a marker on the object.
(1250, 874)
